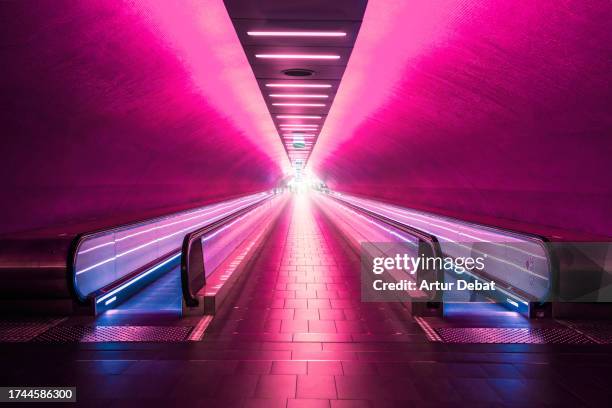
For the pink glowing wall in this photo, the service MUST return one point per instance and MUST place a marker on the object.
(480, 109)
(119, 109)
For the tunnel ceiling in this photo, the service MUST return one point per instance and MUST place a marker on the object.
(298, 51)
(487, 110)
(122, 109)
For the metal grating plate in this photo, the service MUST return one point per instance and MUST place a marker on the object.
(99, 334)
(560, 335)
(22, 330)
(598, 331)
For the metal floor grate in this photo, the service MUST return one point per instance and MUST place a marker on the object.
(99, 334)
(23, 330)
(598, 331)
(560, 335)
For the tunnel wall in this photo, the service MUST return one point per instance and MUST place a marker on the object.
(101, 118)
(479, 109)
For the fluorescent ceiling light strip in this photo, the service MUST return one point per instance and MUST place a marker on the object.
(310, 105)
(298, 56)
(299, 135)
(317, 96)
(299, 85)
(296, 33)
(298, 117)
(297, 125)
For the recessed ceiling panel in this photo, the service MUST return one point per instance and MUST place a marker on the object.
(312, 10)
(298, 52)
(278, 70)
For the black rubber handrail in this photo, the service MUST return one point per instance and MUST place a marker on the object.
(422, 236)
(80, 238)
(544, 241)
(193, 275)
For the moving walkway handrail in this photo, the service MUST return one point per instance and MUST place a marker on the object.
(110, 243)
(539, 239)
(408, 229)
(193, 275)
(422, 236)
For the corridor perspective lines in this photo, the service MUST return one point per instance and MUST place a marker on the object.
(298, 335)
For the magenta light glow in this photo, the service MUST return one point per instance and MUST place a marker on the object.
(201, 34)
(298, 85)
(310, 105)
(296, 34)
(447, 56)
(296, 125)
(298, 56)
(318, 96)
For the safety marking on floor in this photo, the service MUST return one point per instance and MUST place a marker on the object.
(198, 331)
(506, 335)
(429, 331)
(20, 330)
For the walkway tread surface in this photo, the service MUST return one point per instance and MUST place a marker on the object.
(297, 335)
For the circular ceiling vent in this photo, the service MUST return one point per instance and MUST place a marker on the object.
(298, 72)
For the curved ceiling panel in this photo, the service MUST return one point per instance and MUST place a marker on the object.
(116, 108)
(478, 109)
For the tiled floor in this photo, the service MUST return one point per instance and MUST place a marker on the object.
(297, 335)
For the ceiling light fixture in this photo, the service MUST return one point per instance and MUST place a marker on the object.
(319, 96)
(298, 117)
(298, 56)
(296, 33)
(311, 105)
(298, 85)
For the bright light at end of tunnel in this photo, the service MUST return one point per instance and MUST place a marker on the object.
(298, 85)
(296, 33)
(298, 56)
(298, 117)
(299, 104)
(319, 96)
